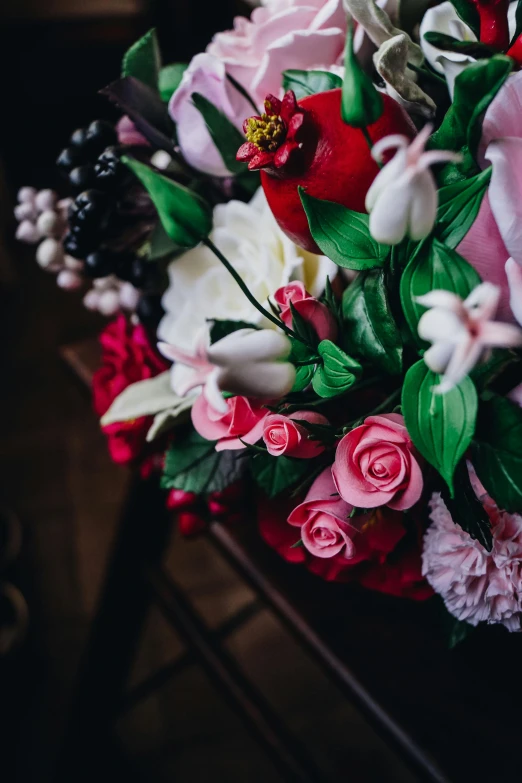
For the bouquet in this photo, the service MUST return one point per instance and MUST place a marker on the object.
(311, 239)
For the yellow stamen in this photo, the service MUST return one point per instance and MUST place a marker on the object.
(267, 132)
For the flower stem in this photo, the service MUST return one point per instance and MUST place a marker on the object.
(367, 137)
(239, 280)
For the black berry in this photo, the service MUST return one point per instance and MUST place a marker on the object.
(78, 137)
(74, 246)
(149, 310)
(110, 171)
(82, 177)
(69, 158)
(100, 263)
(91, 208)
(100, 134)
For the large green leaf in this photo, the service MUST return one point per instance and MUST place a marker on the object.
(193, 464)
(186, 218)
(143, 60)
(369, 323)
(459, 205)
(497, 451)
(277, 474)
(466, 509)
(169, 79)
(342, 234)
(305, 83)
(448, 43)
(434, 266)
(475, 88)
(361, 103)
(441, 426)
(337, 373)
(225, 136)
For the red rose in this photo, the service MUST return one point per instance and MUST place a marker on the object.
(127, 357)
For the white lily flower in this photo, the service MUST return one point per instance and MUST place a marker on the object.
(461, 331)
(444, 19)
(403, 198)
(247, 362)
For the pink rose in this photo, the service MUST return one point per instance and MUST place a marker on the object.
(281, 34)
(283, 435)
(243, 419)
(376, 465)
(313, 311)
(205, 75)
(322, 518)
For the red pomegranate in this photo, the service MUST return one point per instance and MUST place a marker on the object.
(306, 143)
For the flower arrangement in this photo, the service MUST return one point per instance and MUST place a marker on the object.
(311, 236)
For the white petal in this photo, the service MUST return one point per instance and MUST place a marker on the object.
(514, 276)
(423, 210)
(464, 358)
(505, 191)
(394, 141)
(143, 398)
(438, 356)
(387, 175)
(453, 69)
(446, 300)
(438, 325)
(443, 19)
(482, 302)
(249, 345)
(497, 334)
(390, 214)
(265, 380)
(212, 392)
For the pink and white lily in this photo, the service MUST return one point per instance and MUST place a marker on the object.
(248, 362)
(403, 199)
(462, 331)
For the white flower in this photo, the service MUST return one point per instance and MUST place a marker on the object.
(403, 197)
(201, 289)
(245, 362)
(461, 331)
(444, 19)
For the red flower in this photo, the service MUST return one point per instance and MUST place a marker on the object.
(275, 135)
(494, 27)
(127, 357)
(388, 557)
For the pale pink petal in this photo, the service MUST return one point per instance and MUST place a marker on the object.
(505, 192)
(503, 115)
(514, 276)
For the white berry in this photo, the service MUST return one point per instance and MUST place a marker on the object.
(25, 211)
(26, 194)
(49, 223)
(45, 199)
(27, 232)
(50, 254)
(129, 296)
(108, 303)
(69, 280)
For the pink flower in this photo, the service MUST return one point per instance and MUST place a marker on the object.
(476, 585)
(496, 234)
(301, 34)
(128, 134)
(205, 75)
(376, 464)
(323, 519)
(283, 435)
(313, 311)
(243, 420)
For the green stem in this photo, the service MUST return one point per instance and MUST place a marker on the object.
(239, 280)
(369, 142)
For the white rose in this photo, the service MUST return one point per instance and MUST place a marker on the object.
(200, 288)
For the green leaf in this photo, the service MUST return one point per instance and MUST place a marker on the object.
(193, 464)
(225, 136)
(459, 205)
(434, 266)
(469, 14)
(186, 218)
(475, 88)
(303, 328)
(277, 474)
(497, 451)
(169, 79)
(220, 329)
(160, 244)
(342, 234)
(361, 103)
(303, 372)
(466, 509)
(337, 373)
(305, 83)
(458, 630)
(448, 43)
(369, 323)
(441, 426)
(143, 60)
(489, 371)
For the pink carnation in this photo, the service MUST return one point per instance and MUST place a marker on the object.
(476, 585)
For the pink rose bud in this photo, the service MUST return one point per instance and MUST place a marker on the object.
(190, 524)
(323, 520)
(312, 310)
(27, 232)
(25, 211)
(45, 199)
(109, 302)
(178, 499)
(376, 465)
(69, 280)
(27, 194)
(50, 254)
(284, 435)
